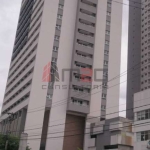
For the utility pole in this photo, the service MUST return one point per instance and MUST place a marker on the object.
(23, 142)
(6, 145)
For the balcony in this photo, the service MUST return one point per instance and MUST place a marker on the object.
(78, 105)
(84, 43)
(83, 57)
(89, 3)
(87, 17)
(87, 23)
(91, 14)
(80, 95)
(85, 35)
(82, 65)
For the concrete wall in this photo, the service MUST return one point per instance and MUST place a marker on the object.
(58, 114)
(134, 55)
(74, 132)
(116, 132)
(95, 106)
(43, 57)
(141, 102)
(113, 93)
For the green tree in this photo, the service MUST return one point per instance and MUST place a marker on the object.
(2, 142)
(28, 148)
(13, 142)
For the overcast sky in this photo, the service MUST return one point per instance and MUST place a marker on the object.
(9, 12)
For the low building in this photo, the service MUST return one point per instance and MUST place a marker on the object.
(141, 126)
(110, 134)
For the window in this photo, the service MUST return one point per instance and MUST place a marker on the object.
(104, 96)
(51, 84)
(16, 103)
(19, 82)
(104, 84)
(82, 65)
(81, 89)
(61, 6)
(87, 12)
(88, 3)
(107, 42)
(59, 16)
(143, 115)
(84, 43)
(103, 107)
(55, 49)
(108, 13)
(79, 102)
(108, 23)
(58, 27)
(107, 32)
(49, 96)
(85, 22)
(109, 4)
(54, 59)
(56, 37)
(105, 62)
(143, 136)
(106, 52)
(105, 73)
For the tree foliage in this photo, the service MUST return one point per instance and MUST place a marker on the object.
(28, 148)
(13, 142)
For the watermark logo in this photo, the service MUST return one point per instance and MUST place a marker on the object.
(86, 75)
(50, 73)
(46, 73)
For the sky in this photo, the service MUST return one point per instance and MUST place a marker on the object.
(9, 13)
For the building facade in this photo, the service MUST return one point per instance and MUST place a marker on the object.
(115, 133)
(138, 51)
(134, 55)
(141, 126)
(65, 53)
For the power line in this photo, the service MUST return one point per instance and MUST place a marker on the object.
(87, 118)
(119, 3)
(125, 4)
(63, 103)
(76, 95)
(107, 108)
(122, 3)
(79, 130)
(118, 76)
(106, 114)
(139, 125)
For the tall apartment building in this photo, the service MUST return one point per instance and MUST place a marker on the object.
(77, 43)
(138, 51)
(134, 55)
(138, 85)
